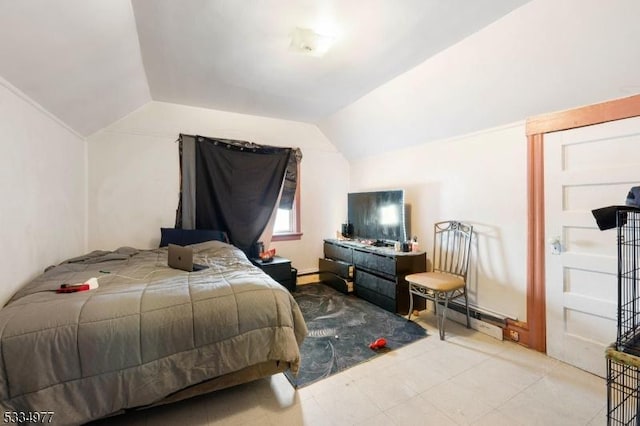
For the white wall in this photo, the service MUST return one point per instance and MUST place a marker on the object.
(545, 56)
(134, 175)
(43, 190)
(480, 179)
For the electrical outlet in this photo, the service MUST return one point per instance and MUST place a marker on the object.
(514, 335)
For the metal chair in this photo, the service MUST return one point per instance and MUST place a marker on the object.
(448, 281)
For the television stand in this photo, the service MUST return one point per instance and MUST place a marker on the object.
(378, 272)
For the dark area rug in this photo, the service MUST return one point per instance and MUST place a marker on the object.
(341, 327)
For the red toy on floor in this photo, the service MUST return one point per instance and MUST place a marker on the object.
(378, 343)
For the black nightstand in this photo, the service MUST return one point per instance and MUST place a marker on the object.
(280, 270)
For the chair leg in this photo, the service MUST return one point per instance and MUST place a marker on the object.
(466, 301)
(410, 304)
(444, 316)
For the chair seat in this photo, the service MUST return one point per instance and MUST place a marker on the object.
(437, 281)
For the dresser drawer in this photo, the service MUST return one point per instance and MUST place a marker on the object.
(374, 262)
(374, 283)
(332, 251)
(376, 298)
(338, 267)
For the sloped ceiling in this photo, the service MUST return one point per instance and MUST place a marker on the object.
(83, 60)
(545, 56)
(401, 72)
(79, 59)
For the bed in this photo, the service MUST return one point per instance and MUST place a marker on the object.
(147, 335)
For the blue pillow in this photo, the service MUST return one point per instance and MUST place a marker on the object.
(183, 237)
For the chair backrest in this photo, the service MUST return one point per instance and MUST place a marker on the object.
(452, 247)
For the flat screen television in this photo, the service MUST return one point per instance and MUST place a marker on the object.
(378, 215)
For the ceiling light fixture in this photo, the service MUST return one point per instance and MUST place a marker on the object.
(304, 40)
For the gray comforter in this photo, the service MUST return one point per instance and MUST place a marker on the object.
(147, 331)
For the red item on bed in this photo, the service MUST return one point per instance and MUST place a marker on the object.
(72, 288)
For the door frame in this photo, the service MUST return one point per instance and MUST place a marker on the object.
(532, 333)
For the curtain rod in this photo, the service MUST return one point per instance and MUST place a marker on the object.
(210, 137)
(296, 151)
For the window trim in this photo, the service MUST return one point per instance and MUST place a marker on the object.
(296, 234)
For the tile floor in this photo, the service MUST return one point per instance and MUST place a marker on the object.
(469, 378)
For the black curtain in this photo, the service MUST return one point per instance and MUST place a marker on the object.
(234, 185)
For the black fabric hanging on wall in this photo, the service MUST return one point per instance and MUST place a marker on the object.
(237, 185)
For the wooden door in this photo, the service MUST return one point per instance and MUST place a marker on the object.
(585, 168)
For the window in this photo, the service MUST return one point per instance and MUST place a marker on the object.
(285, 222)
(287, 225)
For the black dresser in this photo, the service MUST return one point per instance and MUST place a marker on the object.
(378, 272)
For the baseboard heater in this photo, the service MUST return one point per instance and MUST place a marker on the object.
(477, 313)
